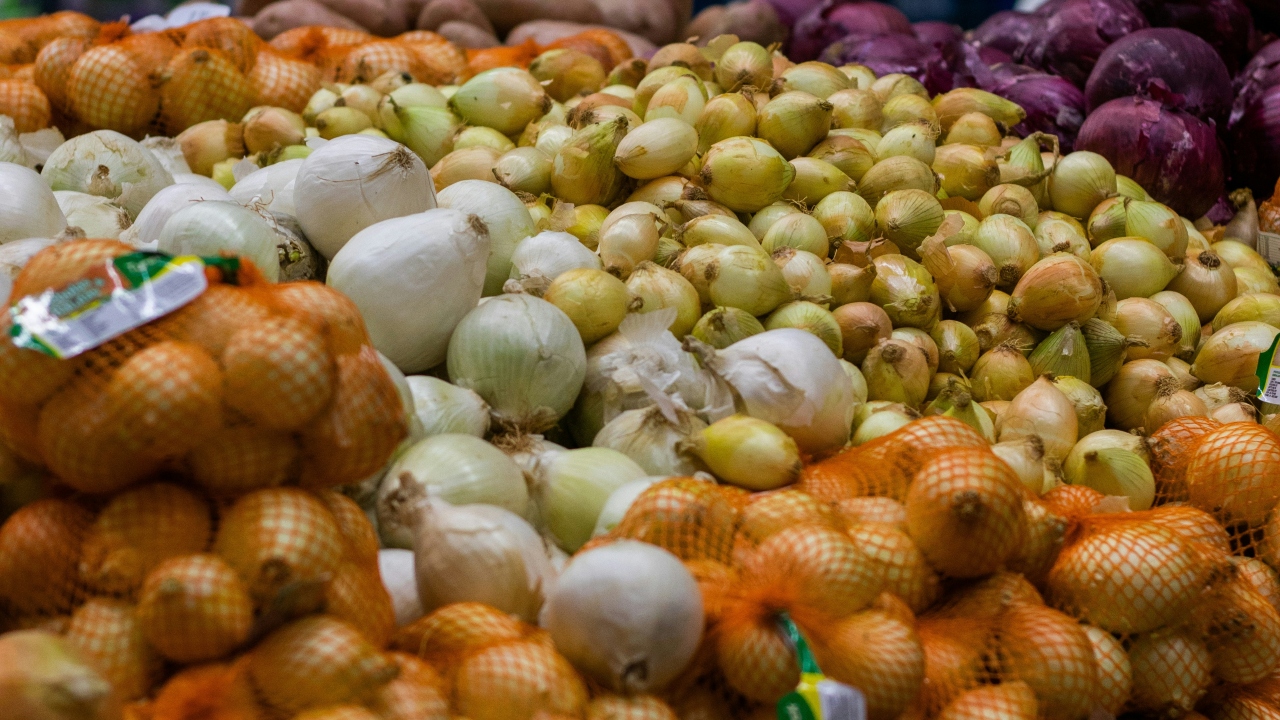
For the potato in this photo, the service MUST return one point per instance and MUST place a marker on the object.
(439, 12)
(652, 19)
(466, 35)
(545, 32)
(381, 17)
(288, 14)
(507, 14)
(753, 20)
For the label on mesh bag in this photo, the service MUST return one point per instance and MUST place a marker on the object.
(817, 698)
(109, 300)
(1268, 373)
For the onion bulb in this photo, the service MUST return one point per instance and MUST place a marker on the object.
(1262, 307)
(1079, 181)
(1207, 282)
(957, 346)
(749, 453)
(1230, 355)
(1188, 319)
(862, 326)
(1011, 245)
(1051, 652)
(906, 291)
(1064, 353)
(659, 439)
(1091, 412)
(1171, 672)
(1131, 391)
(898, 371)
(1172, 402)
(1133, 267)
(964, 273)
(1158, 224)
(594, 300)
(1001, 373)
(628, 614)
(1150, 322)
(571, 488)
(1098, 463)
(1057, 290)
(1041, 410)
(724, 326)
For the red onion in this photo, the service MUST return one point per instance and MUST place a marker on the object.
(1186, 64)
(1076, 34)
(1171, 153)
(991, 55)
(934, 33)
(1225, 24)
(1053, 105)
(1008, 31)
(884, 54)
(1256, 142)
(956, 63)
(831, 21)
(1262, 72)
(789, 11)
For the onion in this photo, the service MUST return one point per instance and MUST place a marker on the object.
(1057, 290)
(1171, 153)
(906, 291)
(443, 408)
(817, 25)
(1011, 245)
(749, 453)
(1252, 128)
(957, 346)
(1207, 282)
(862, 326)
(28, 209)
(1230, 355)
(1052, 653)
(389, 267)
(1130, 393)
(1053, 105)
(98, 217)
(1171, 672)
(1151, 323)
(399, 577)
(1001, 373)
(884, 54)
(506, 218)
(1063, 354)
(145, 231)
(214, 228)
(110, 165)
(628, 614)
(1079, 181)
(658, 439)
(883, 421)
(898, 371)
(1115, 674)
(572, 487)
(1025, 456)
(42, 677)
(1099, 462)
(1187, 318)
(1133, 267)
(1043, 411)
(1182, 62)
(1013, 700)
(1091, 411)
(272, 187)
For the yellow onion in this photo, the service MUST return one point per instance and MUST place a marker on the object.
(921, 340)
(723, 326)
(895, 84)
(797, 230)
(849, 155)
(794, 122)
(907, 217)
(1050, 652)
(965, 171)
(1080, 181)
(882, 419)
(654, 81)
(662, 192)
(1062, 353)
(1253, 280)
(594, 300)
(1133, 267)
(764, 218)
(1187, 318)
(525, 169)
(1230, 355)
(1182, 371)
(1217, 395)
(906, 291)
(267, 128)
(814, 180)
(963, 235)
(505, 99)
(956, 103)
(567, 73)
(1054, 236)
(1171, 672)
(473, 136)
(964, 273)
(745, 174)
(1259, 307)
(718, 229)
(694, 264)
(917, 140)
(683, 54)
(805, 273)
(627, 74)
(749, 453)
(1238, 255)
(990, 322)
(473, 163)
(655, 149)
(627, 242)
(1159, 224)
(1011, 246)
(1108, 220)
(954, 400)
(583, 171)
(1099, 462)
(681, 210)
(1012, 200)
(682, 99)
(1091, 411)
(850, 283)
(898, 371)
(1000, 374)
(854, 108)
(587, 220)
(1235, 413)
(1107, 349)
(904, 109)
(550, 138)
(657, 288)
(974, 129)
(1042, 410)
(815, 78)
(1207, 282)
(602, 114)
(1055, 291)
(1172, 401)
(1115, 674)
(958, 348)
(725, 116)
(746, 278)
(1151, 323)
(745, 64)
(811, 318)
(1242, 632)
(896, 173)
(1129, 188)
(1131, 391)
(846, 217)
(862, 327)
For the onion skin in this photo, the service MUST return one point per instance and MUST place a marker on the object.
(1131, 391)
(1050, 652)
(1171, 672)
(1057, 290)
(1186, 64)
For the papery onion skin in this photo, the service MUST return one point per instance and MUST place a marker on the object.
(1057, 290)
(1186, 64)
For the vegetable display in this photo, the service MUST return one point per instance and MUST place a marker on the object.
(595, 387)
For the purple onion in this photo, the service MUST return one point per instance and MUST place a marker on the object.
(789, 11)
(994, 56)
(1256, 143)
(1184, 63)
(1053, 105)
(831, 21)
(1171, 153)
(934, 33)
(1262, 72)
(1008, 31)
(1222, 211)
(884, 54)
(1076, 34)
(1225, 24)
(956, 64)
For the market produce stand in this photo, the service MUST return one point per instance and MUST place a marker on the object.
(357, 374)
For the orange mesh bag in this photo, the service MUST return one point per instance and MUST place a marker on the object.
(1006, 701)
(957, 652)
(442, 61)
(1172, 670)
(203, 84)
(617, 48)
(38, 558)
(53, 69)
(23, 101)
(14, 48)
(903, 567)
(875, 652)
(212, 692)
(43, 30)
(1046, 534)
(695, 520)
(110, 88)
(233, 38)
(516, 681)
(109, 633)
(637, 707)
(195, 608)
(1234, 473)
(1127, 574)
(507, 56)
(444, 636)
(1241, 631)
(1071, 502)
(1053, 655)
(1168, 446)
(365, 62)
(417, 693)
(281, 81)
(766, 513)
(301, 41)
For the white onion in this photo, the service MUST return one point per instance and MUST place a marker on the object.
(619, 502)
(416, 431)
(13, 257)
(39, 145)
(214, 228)
(168, 152)
(444, 408)
(783, 377)
(505, 215)
(201, 180)
(10, 147)
(572, 488)
(659, 439)
(413, 278)
(523, 356)
(399, 577)
(355, 181)
(97, 216)
(146, 229)
(459, 469)
(110, 165)
(628, 614)
(28, 208)
(271, 187)
(540, 259)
